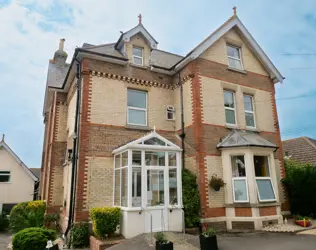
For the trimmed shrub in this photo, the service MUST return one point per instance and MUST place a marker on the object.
(79, 235)
(4, 222)
(300, 182)
(27, 214)
(34, 238)
(191, 199)
(105, 220)
(51, 221)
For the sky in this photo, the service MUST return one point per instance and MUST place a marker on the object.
(30, 31)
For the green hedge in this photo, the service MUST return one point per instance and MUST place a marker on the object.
(105, 220)
(300, 182)
(191, 199)
(4, 222)
(27, 214)
(79, 235)
(34, 238)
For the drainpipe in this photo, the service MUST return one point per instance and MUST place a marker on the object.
(182, 135)
(75, 153)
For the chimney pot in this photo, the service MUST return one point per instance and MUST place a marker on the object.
(61, 44)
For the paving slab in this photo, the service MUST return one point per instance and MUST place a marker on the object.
(5, 239)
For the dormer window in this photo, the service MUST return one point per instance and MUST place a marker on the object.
(138, 54)
(234, 57)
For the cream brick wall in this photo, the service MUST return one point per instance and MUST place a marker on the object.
(187, 105)
(62, 111)
(57, 186)
(100, 182)
(190, 163)
(21, 186)
(109, 103)
(138, 41)
(218, 53)
(214, 166)
(71, 114)
(213, 104)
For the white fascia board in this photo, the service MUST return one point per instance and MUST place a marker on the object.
(139, 29)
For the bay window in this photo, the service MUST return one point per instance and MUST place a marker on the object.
(264, 183)
(230, 109)
(136, 107)
(239, 179)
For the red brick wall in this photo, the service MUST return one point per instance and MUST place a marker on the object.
(267, 211)
(243, 212)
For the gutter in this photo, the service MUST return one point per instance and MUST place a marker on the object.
(182, 135)
(75, 153)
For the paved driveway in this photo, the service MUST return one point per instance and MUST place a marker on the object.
(4, 240)
(263, 241)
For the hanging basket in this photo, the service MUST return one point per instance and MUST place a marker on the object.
(216, 182)
(217, 188)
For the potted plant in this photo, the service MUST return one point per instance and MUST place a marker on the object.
(303, 221)
(162, 243)
(217, 182)
(208, 240)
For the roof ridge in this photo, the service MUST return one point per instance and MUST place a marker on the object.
(291, 139)
(168, 52)
(309, 142)
(100, 45)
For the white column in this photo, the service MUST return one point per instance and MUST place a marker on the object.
(144, 180)
(166, 180)
(129, 179)
(179, 178)
(250, 173)
(272, 172)
(227, 174)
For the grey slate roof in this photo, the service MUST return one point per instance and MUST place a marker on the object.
(302, 149)
(107, 49)
(56, 74)
(36, 172)
(239, 138)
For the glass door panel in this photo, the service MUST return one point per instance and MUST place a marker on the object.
(155, 188)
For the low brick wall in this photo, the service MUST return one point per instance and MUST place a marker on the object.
(96, 244)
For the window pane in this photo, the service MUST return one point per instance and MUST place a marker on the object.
(118, 161)
(250, 121)
(155, 188)
(5, 178)
(117, 188)
(137, 158)
(234, 63)
(265, 190)
(238, 166)
(233, 52)
(124, 187)
(125, 159)
(261, 164)
(240, 190)
(230, 116)
(136, 117)
(248, 103)
(172, 159)
(137, 60)
(229, 99)
(137, 187)
(154, 141)
(173, 188)
(155, 158)
(137, 51)
(136, 98)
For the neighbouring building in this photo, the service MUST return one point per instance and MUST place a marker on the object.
(302, 149)
(143, 114)
(17, 182)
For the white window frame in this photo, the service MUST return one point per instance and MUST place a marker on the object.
(228, 108)
(171, 110)
(244, 179)
(9, 174)
(235, 58)
(139, 57)
(250, 112)
(264, 178)
(136, 108)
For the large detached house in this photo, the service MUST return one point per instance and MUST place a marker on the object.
(123, 119)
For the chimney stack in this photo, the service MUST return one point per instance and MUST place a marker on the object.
(61, 44)
(60, 55)
(3, 135)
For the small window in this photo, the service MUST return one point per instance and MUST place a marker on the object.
(138, 55)
(239, 179)
(249, 111)
(171, 113)
(5, 176)
(234, 57)
(136, 107)
(230, 109)
(264, 183)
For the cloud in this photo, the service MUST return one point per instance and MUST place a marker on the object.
(30, 31)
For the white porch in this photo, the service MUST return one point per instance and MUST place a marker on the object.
(147, 185)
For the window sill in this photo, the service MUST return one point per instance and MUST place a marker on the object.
(247, 204)
(138, 66)
(137, 127)
(5, 183)
(237, 70)
(252, 129)
(231, 126)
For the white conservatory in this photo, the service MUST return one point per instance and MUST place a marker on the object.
(147, 185)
